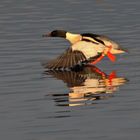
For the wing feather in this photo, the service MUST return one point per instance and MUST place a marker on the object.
(67, 60)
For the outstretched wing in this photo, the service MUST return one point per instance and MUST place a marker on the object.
(67, 60)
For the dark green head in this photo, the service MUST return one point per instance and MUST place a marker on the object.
(56, 33)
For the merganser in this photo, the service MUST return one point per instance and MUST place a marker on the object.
(86, 47)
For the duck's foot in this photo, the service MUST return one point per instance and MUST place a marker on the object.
(109, 54)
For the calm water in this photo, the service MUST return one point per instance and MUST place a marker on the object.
(95, 103)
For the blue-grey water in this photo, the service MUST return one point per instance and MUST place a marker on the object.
(101, 104)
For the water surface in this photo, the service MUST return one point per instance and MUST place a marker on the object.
(39, 105)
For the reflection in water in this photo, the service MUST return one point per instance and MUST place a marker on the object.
(86, 85)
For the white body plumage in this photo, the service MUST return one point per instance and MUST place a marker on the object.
(89, 49)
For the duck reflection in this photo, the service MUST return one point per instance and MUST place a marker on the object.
(86, 85)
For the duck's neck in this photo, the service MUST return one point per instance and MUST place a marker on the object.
(73, 38)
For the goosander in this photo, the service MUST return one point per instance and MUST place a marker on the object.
(85, 48)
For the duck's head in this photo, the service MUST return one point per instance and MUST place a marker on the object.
(56, 33)
(73, 38)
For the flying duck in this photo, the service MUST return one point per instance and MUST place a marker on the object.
(85, 48)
